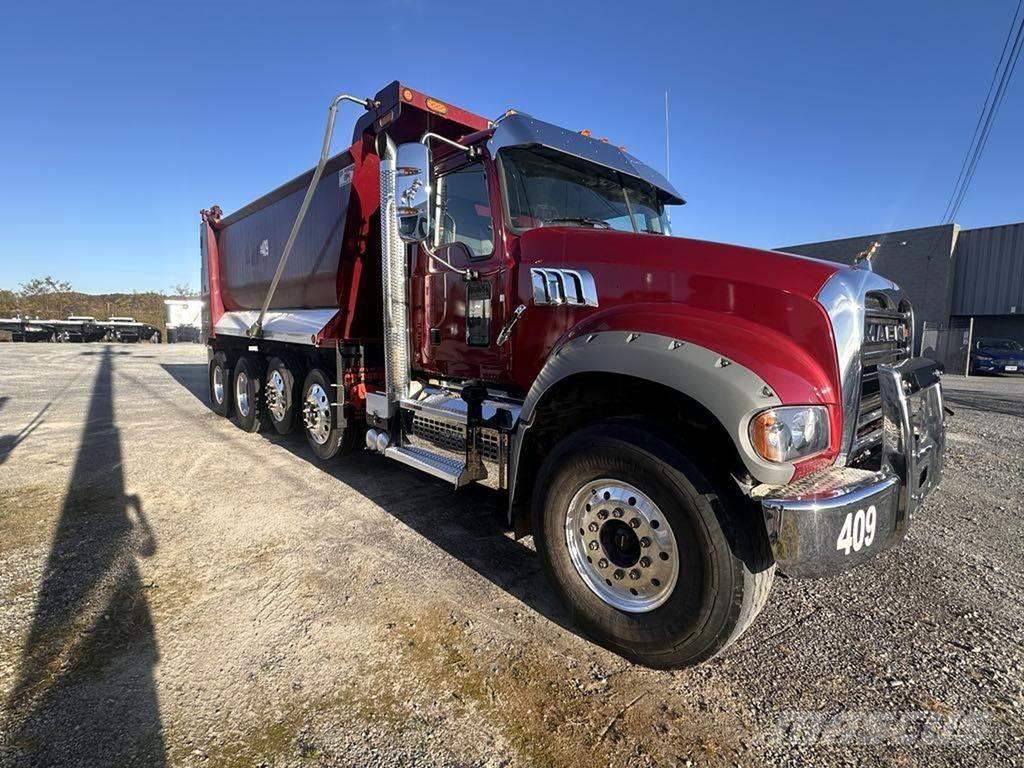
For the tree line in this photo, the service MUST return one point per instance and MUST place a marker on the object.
(48, 298)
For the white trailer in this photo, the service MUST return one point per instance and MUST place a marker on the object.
(184, 320)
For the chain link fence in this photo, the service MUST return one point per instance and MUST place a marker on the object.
(948, 344)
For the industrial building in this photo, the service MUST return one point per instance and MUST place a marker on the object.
(951, 275)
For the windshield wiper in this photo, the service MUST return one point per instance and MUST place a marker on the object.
(579, 220)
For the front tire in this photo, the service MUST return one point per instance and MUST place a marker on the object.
(246, 393)
(220, 384)
(644, 550)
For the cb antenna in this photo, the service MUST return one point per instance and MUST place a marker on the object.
(668, 168)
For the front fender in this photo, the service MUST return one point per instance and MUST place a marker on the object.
(731, 366)
(730, 391)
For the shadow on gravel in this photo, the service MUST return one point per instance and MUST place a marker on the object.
(469, 524)
(9, 442)
(981, 401)
(84, 693)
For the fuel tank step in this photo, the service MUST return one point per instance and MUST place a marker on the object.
(435, 464)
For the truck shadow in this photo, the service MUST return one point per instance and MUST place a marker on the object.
(84, 692)
(468, 525)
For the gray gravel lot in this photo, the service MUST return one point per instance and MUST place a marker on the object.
(174, 591)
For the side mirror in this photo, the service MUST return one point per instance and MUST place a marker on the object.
(412, 192)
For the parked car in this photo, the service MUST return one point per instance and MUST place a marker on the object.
(997, 356)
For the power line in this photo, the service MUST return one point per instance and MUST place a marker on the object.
(981, 114)
(1003, 73)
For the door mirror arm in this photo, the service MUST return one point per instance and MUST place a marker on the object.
(467, 274)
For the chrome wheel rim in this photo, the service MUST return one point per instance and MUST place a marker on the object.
(218, 384)
(316, 414)
(242, 393)
(621, 545)
(276, 395)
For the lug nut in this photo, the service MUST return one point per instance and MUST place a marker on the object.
(645, 562)
(618, 512)
(602, 563)
(634, 574)
(593, 527)
(645, 542)
(603, 514)
(619, 574)
(593, 545)
(634, 523)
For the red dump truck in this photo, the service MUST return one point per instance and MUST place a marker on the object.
(501, 302)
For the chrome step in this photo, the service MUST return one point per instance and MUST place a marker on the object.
(435, 464)
(443, 406)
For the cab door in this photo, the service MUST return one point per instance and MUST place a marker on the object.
(458, 320)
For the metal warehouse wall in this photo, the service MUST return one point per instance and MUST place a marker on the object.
(919, 260)
(989, 269)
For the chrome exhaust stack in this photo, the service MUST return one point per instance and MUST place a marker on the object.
(394, 279)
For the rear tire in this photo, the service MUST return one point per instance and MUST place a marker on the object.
(660, 570)
(318, 415)
(281, 395)
(246, 391)
(220, 384)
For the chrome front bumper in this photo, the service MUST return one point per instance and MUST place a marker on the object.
(840, 517)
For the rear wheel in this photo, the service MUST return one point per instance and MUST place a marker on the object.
(220, 386)
(281, 396)
(249, 409)
(643, 548)
(318, 416)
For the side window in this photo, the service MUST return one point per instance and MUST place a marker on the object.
(464, 214)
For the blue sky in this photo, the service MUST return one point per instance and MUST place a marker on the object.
(791, 122)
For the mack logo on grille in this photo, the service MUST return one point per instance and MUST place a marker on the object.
(878, 332)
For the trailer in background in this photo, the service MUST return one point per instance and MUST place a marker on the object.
(27, 328)
(128, 330)
(184, 320)
(78, 328)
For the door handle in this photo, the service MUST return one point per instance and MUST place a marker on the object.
(507, 330)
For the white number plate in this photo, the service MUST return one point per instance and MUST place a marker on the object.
(858, 530)
(1011, 367)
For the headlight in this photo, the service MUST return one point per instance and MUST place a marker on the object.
(983, 359)
(789, 433)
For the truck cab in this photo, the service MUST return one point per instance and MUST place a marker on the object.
(671, 420)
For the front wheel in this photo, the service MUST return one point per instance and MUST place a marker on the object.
(644, 550)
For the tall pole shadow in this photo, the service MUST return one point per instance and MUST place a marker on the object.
(85, 692)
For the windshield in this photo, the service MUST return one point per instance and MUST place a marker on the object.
(545, 187)
(1001, 344)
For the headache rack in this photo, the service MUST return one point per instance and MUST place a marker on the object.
(888, 339)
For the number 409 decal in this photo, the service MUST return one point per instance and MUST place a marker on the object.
(858, 530)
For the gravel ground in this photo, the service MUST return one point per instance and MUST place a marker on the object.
(174, 591)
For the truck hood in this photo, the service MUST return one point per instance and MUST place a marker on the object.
(757, 308)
